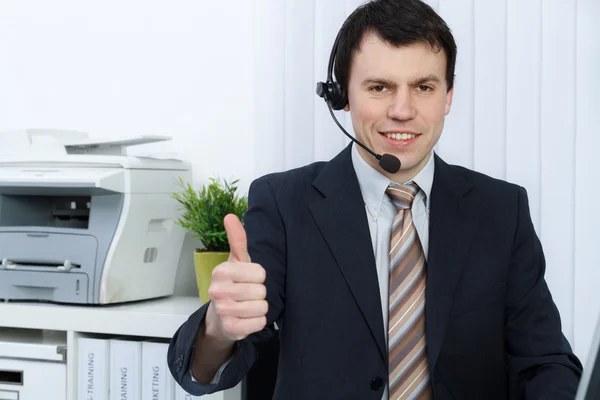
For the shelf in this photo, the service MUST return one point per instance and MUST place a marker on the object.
(32, 344)
(152, 318)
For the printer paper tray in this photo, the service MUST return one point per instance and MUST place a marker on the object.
(44, 286)
(45, 251)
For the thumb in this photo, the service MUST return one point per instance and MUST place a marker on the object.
(236, 235)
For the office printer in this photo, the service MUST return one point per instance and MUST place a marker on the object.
(81, 221)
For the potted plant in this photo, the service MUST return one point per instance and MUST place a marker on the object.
(203, 212)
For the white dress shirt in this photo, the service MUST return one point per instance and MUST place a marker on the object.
(381, 213)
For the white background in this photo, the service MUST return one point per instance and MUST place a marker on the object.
(233, 83)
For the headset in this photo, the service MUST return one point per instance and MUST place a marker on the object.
(336, 98)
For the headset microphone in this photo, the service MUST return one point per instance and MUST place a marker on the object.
(336, 98)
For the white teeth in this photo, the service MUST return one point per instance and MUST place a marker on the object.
(400, 136)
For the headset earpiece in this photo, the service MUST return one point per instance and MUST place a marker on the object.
(333, 93)
(337, 96)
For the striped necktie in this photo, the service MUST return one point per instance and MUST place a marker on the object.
(408, 366)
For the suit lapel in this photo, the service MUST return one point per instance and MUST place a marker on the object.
(450, 238)
(341, 218)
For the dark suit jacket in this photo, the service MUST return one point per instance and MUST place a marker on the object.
(493, 330)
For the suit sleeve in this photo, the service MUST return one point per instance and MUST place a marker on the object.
(267, 247)
(540, 361)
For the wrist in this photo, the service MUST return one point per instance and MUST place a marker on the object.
(212, 332)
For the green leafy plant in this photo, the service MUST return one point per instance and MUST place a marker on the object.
(204, 210)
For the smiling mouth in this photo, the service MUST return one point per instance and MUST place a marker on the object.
(400, 137)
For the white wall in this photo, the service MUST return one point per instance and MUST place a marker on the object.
(233, 83)
(179, 68)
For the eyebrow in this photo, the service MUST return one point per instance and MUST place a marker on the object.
(385, 82)
(429, 78)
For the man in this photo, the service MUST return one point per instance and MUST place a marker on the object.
(425, 282)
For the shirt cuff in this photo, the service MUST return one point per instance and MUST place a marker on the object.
(217, 376)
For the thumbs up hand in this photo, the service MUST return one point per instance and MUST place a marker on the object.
(238, 295)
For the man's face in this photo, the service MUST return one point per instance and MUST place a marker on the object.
(398, 100)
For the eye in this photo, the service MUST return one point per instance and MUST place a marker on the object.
(378, 88)
(425, 88)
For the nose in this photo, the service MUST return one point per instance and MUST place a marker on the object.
(402, 107)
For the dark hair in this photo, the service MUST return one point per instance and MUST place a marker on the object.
(398, 22)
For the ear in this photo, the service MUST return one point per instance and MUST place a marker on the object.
(347, 107)
(449, 96)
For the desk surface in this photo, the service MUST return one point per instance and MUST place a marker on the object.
(158, 318)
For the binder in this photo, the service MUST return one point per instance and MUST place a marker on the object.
(157, 382)
(234, 393)
(93, 369)
(125, 369)
(183, 395)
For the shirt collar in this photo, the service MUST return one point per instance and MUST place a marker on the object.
(373, 183)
